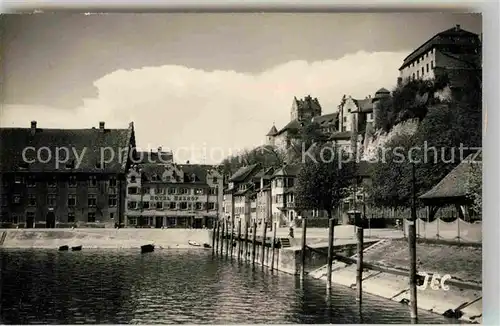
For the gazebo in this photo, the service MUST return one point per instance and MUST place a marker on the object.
(453, 189)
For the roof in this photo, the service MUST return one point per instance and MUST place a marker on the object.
(292, 125)
(90, 145)
(192, 173)
(447, 37)
(383, 91)
(264, 173)
(244, 173)
(155, 157)
(326, 119)
(290, 170)
(364, 105)
(454, 184)
(307, 103)
(273, 131)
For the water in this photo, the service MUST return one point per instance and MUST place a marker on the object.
(166, 287)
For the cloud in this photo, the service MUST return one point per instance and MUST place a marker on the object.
(182, 108)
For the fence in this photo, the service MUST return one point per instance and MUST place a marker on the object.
(457, 230)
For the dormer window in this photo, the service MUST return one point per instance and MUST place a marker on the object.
(215, 180)
(23, 166)
(92, 181)
(133, 179)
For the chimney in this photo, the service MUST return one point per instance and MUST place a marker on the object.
(33, 127)
(457, 27)
(101, 125)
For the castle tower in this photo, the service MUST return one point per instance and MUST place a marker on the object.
(379, 95)
(270, 136)
(305, 109)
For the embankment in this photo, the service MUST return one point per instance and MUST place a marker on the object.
(385, 274)
(101, 238)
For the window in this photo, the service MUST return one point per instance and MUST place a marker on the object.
(422, 71)
(31, 182)
(31, 200)
(199, 191)
(172, 205)
(159, 205)
(198, 206)
(92, 181)
(72, 181)
(132, 190)
(18, 179)
(172, 191)
(71, 217)
(345, 119)
(92, 201)
(159, 191)
(51, 200)
(145, 204)
(215, 180)
(132, 179)
(112, 201)
(418, 76)
(112, 215)
(71, 200)
(91, 217)
(183, 205)
(132, 205)
(212, 191)
(413, 76)
(52, 183)
(211, 206)
(427, 67)
(112, 182)
(184, 191)
(370, 116)
(146, 190)
(132, 221)
(432, 64)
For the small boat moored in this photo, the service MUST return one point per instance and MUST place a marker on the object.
(63, 248)
(206, 245)
(76, 248)
(147, 248)
(193, 243)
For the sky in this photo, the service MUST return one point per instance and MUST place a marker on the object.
(203, 85)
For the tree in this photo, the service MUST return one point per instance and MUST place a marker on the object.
(475, 188)
(302, 139)
(323, 179)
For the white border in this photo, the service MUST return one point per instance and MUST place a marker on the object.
(490, 10)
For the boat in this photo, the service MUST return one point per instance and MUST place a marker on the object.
(76, 248)
(193, 243)
(147, 248)
(206, 245)
(63, 248)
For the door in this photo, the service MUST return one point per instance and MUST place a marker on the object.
(50, 220)
(30, 220)
(159, 222)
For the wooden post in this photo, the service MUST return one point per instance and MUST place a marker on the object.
(359, 265)
(303, 251)
(254, 242)
(245, 248)
(217, 240)
(222, 238)
(232, 241)
(214, 235)
(263, 251)
(239, 240)
(331, 227)
(272, 247)
(412, 243)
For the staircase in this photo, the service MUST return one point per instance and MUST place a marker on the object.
(285, 242)
(373, 246)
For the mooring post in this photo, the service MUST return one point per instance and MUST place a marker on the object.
(227, 238)
(245, 244)
(331, 226)
(254, 242)
(232, 241)
(303, 251)
(359, 262)
(214, 235)
(272, 247)
(222, 238)
(217, 238)
(263, 251)
(239, 240)
(412, 243)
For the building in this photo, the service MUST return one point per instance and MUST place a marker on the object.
(64, 177)
(173, 195)
(238, 195)
(454, 51)
(262, 198)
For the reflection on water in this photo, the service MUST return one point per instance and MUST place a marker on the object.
(123, 287)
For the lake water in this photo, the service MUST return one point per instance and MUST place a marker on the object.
(166, 287)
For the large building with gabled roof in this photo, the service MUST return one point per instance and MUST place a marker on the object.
(64, 177)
